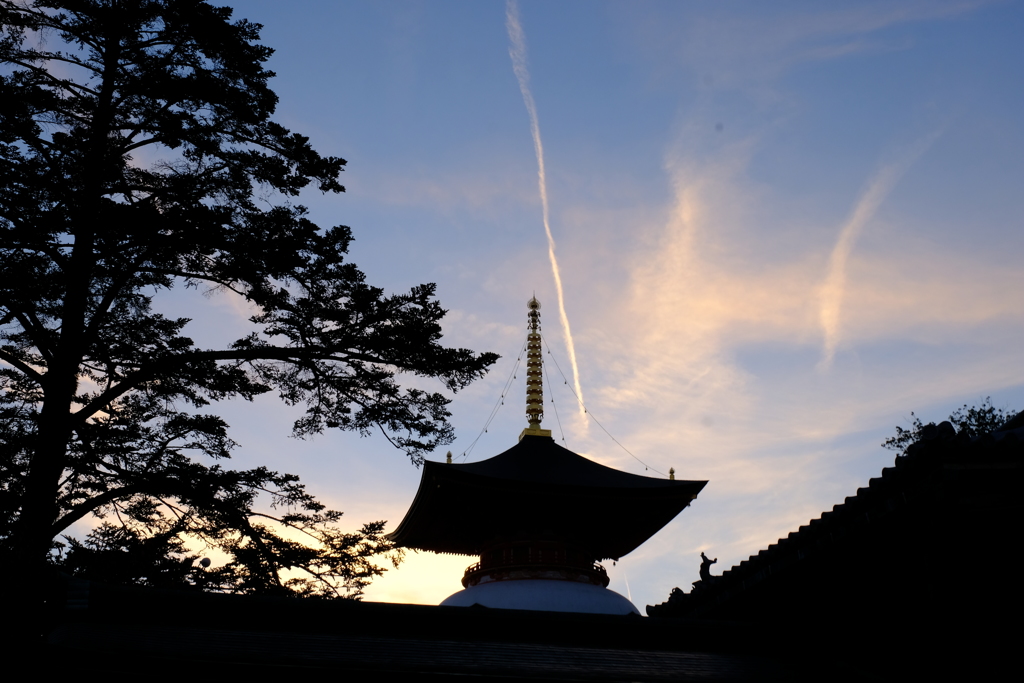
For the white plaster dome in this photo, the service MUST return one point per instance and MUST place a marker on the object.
(543, 595)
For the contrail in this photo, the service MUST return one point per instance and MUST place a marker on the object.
(834, 285)
(517, 51)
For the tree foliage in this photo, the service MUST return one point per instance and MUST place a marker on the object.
(969, 420)
(138, 154)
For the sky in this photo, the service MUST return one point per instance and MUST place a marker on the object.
(779, 229)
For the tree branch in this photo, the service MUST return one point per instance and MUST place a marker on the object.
(170, 362)
(27, 369)
(35, 329)
(82, 509)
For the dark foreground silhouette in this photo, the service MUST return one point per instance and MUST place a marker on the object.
(888, 583)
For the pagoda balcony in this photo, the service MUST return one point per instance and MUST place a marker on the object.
(535, 561)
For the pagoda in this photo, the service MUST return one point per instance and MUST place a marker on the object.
(540, 517)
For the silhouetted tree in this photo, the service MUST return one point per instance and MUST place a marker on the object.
(972, 420)
(99, 390)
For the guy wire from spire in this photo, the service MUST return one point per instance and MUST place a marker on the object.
(587, 411)
(554, 407)
(497, 406)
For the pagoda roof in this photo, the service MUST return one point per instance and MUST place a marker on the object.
(538, 491)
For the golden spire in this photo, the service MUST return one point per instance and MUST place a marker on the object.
(534, 373)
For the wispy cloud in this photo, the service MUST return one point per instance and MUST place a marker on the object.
(714, 371)
(517, 51)
(834, 286)
(735, 49)
(716, 340)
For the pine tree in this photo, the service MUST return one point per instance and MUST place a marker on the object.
(970, 420)
(104, 400)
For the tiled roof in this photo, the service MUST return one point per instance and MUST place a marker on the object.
(107, 630)
(123, 647)
(539, 490)
(943, 471)
(911, 578)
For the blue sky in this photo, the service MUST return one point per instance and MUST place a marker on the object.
(780, 227)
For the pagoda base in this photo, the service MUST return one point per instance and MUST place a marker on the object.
(543, 595)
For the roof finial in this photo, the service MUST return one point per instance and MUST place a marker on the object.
(534, 373)
(534, 378)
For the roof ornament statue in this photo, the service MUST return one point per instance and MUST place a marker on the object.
(705, 568)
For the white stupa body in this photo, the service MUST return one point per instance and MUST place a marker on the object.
(545, 595)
